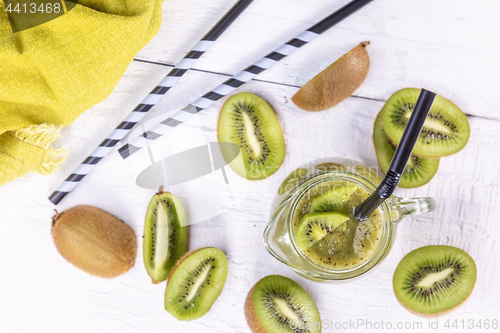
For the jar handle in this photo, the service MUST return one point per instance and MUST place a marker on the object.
(410, 206)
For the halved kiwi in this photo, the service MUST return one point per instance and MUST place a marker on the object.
(313, 227)
(446, 129)
(248, 121)
(165, 235)
(277, 304)
(195, 283)
(331, 166)
(434, 280)
(419, 170)
(332, 200)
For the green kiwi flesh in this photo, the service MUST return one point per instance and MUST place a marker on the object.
(195, 283)
(165, 235)
(248, 121)
(434, 280)
(314, 226)
(446, 129)
(419, 170)
(332, 200)
(277, 304)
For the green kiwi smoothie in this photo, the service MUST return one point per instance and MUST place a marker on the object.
(325, 230)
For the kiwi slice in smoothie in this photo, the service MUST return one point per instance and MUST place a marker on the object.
(446, 129)
(195, 283)
(434, 280)
(419, 170)
(248, 121)
(332, 200)
(313, 227)
(277, 304)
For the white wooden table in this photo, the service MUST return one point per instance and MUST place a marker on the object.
(449, 46)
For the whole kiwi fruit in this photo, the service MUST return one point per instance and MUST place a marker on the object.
(94, 241)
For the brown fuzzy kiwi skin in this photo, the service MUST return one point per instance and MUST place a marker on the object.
(94, 241)
(433, 315)
(251, 316)
(335, 83)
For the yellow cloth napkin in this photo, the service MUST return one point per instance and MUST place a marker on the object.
(51, 73)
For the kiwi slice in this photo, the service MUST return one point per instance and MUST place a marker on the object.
(195, 283)
(335, 83)
(332, 200)
(277, 304)
(434, 280)
(165, 235)
(248, 121)
(446, 129)
(340, 244)
(419, 170)
(313, 227)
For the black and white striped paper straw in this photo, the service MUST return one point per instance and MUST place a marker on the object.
(239, 79)
(147, 103)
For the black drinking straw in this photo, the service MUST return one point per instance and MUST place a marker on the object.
(400, 158)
